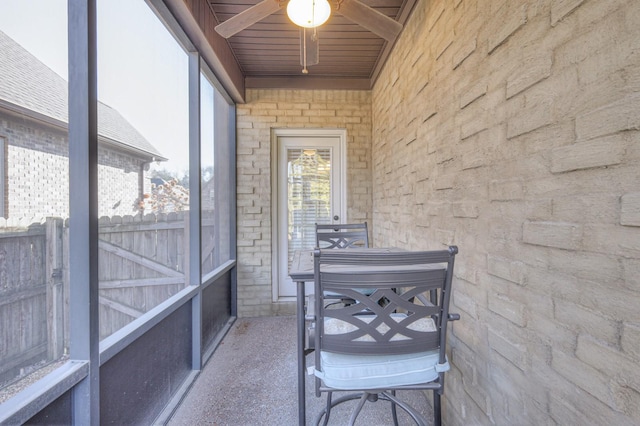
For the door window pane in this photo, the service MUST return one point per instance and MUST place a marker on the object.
(143, 162)
(309, 195)
(34, 191)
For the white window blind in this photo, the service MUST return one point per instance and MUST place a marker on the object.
(309, 195)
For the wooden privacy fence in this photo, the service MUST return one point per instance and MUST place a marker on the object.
(141, 264)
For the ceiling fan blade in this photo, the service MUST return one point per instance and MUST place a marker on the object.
(247, 17)
(369, 18)
(309, 47)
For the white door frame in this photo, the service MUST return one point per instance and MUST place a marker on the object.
(341, 134)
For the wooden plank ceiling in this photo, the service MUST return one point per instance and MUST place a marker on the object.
(268, 52)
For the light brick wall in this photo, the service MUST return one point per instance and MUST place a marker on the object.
(37, 173)
(267, 109)
(511, 128)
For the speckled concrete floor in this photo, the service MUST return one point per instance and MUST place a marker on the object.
(251, 380)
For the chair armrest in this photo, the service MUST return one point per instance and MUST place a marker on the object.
(310, 309)
(310, 337)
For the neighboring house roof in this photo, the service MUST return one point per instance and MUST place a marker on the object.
(29, 86)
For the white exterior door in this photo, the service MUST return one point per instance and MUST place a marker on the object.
(310, 189)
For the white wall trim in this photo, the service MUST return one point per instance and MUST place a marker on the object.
(307, 133)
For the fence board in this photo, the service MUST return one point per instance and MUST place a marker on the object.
(55, 289)
(127, 310)
(147, 282)
(17, 296)
(141, 260)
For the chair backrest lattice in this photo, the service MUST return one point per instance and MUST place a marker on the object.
(342, 236)
(401, 301)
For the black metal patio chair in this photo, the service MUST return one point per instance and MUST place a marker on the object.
(393, 338)
(341, 236)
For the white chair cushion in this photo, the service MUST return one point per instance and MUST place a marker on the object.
(352, 372)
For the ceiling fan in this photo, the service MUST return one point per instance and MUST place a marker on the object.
(309, 14)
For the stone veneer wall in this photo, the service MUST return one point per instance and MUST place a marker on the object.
(267, 109)
(511, 129)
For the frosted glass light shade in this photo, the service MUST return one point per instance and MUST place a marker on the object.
(308, 13)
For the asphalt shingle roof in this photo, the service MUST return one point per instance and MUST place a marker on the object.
(28, 83)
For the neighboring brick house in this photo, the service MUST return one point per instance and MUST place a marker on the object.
(34, 151)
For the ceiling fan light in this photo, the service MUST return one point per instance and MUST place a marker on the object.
(308, 13)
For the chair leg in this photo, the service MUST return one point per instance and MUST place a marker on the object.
(437, 411)
(387, 396)
(394, 411)
(328, 409)
(332, 403)
(417, 417)
(354, 414)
